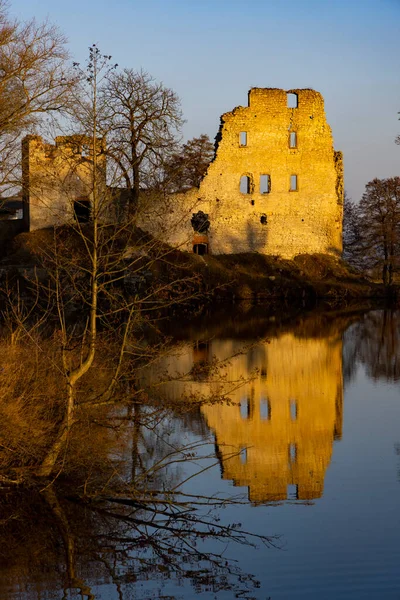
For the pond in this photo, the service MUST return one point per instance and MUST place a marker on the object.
(296, 421)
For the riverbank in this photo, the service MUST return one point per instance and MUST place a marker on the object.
(189, 280)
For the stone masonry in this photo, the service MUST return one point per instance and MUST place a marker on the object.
(58, 180)
(275, 185)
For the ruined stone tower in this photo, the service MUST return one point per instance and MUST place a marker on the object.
(58, 180)
(275, 185)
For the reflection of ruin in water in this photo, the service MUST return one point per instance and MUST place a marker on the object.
(277, 437)
(280, 431)
(287, 418)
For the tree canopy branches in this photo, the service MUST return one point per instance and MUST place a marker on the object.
(372, 229)
(34, 80)
(141, 121)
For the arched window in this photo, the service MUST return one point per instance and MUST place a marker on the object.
(245, 184)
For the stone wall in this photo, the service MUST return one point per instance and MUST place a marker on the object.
(58, 179)
(8, 230)
(275, 185)
(267, 138)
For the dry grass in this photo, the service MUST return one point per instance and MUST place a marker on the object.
(31, 398)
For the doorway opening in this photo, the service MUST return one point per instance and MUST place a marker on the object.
(200, 249)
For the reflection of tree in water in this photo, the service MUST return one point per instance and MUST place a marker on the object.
(113, 532)
(374, 341)
(397, 451)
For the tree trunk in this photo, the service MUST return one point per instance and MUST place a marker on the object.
(134, 192)
(48, 464)
(50, 496)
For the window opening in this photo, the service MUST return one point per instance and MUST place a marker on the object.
(293, 409)
(246, 408)
(243, 138)
(292, 139)
(243, 456)
(293, 183)
(292, 492)
(263, 219)
(292, 100)
(265, 184)
(82, 210)
(265, 409)
(85, 150)
(245, 184)
(200, 249)
(201, 352)
(292, 453)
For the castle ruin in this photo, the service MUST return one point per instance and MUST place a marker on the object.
(58, 180)
(275, 185)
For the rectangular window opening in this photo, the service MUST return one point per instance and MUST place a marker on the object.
(293, 183)
(292, 492)
(245, 184)
(293, 410)
(200, 249)
(292, 139)
(243, 138)
(245, 408)
(292, 453)
(243, 456)
(265, 409)
(265, 184)
(292, 100)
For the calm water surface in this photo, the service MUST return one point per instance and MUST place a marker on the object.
(309, 442)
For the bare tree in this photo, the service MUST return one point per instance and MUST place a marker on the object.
(34, 81)
(379, 222)
(90, 364)
(91, 266)
(101, 268)
(186, 168)
(352, 234)
(141, 121)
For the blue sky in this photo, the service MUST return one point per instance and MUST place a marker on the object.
(212, 51)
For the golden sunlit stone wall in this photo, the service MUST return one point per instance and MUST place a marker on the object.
(55, 176)
(287, 410)
(287, 418)
(308, 220)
